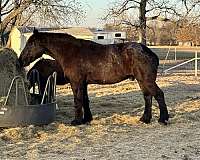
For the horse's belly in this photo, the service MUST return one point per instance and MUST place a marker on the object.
(106, 72)
(105, 77)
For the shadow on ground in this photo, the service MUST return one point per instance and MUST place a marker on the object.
(131, 102)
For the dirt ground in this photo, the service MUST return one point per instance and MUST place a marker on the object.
(116, 132)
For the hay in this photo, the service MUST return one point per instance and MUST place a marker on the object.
(10, 68)
(115, 132)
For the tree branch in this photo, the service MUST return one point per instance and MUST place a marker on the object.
(25, 4)
(4, 5)
(7, 12)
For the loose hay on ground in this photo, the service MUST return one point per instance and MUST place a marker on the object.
(115, 132)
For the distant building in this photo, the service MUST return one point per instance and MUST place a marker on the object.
(186, 43)
(19, 35)
(109, 37)
(78, 32)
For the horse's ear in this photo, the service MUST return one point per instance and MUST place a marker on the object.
(35, 31)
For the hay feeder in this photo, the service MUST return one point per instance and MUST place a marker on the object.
(36, 109)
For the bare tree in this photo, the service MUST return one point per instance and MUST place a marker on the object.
(188, 32)
(54, 12)
(144, 10)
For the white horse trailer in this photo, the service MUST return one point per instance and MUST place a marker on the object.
(109, 37)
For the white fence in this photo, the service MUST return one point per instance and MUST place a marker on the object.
(176, 59)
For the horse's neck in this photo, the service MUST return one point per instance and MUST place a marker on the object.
(54, 50)
(53, 43)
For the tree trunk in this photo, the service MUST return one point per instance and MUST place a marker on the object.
(11, 16)
(1, 33)
(2, 39)
(142, 21)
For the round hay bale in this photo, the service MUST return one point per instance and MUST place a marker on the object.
(10, 68)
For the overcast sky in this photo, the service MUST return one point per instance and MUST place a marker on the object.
(95, 9)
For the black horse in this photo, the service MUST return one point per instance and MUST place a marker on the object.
(45, 68)
(85, 62)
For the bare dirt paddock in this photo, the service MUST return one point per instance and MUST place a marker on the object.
(115, 132)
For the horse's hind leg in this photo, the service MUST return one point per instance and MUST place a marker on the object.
(77, 89)
(147, 115)
(87, 113)
(158, 94)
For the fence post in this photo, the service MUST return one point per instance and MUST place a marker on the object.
(175, 53)
(196, 63)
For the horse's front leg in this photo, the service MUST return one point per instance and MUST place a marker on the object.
(78, 103)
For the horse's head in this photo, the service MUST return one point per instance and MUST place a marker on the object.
(32, 50)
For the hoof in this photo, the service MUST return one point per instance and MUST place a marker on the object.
(145, 119)
(87, 119)
(164, 120)
(77, 122)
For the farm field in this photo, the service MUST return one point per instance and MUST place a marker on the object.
(115, 132)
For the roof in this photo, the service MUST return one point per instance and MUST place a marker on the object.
(105, 31)
(74, 31)
(30, 29)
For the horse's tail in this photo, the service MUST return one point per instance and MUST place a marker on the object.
(153, 56)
